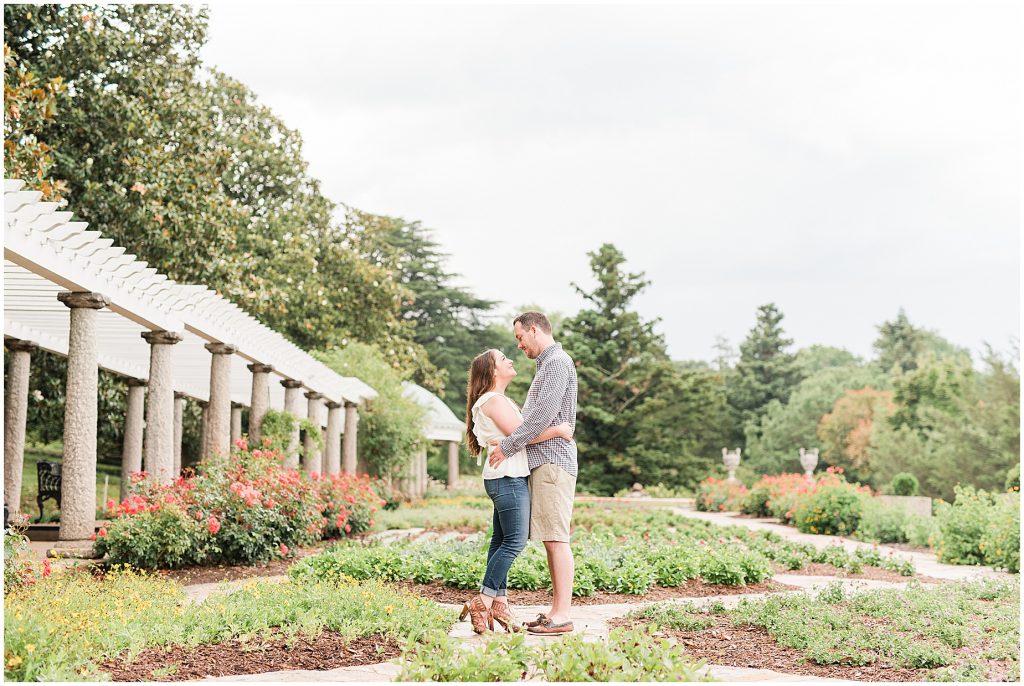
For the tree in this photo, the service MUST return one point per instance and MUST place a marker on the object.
(773, 446)
(622, 369)
(765, 371)
(939, 383)
(391, 425)
(845, 432)
(900, 344)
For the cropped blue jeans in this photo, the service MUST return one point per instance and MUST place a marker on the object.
(511, 528)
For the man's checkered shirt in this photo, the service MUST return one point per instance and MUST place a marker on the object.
(550, 401)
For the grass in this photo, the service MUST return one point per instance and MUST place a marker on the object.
(438, 513)
(51, 453)
(61, 628)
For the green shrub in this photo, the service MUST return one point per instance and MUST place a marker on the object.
(167, 538)
(921, 531)
(904, 484)
(962, 526)
(1013, 478)
(882, 524)
(778, 488)
(1000, 543)
(832, 508)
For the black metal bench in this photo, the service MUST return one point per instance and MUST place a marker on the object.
(49, 484)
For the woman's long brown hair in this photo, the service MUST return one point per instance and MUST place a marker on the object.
(481, 378)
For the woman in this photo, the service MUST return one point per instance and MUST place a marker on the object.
(491, 416)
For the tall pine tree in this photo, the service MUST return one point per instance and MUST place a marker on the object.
(765, 370)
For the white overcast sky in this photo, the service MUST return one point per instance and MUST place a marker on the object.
(841, 161)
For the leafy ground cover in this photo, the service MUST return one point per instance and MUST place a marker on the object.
(618, 550)
(74, 626)
(965, 631)
(471, 513)
(629, 655)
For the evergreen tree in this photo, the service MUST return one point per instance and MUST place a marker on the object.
(765, 371)
(623, 369)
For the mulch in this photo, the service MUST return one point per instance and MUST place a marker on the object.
(873, 573)
(329, 650)
(218, 573)
(438, 592)
(747, 646)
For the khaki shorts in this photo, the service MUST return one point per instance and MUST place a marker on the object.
(552, 490)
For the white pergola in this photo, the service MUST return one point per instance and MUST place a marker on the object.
(441, 425)
(198, 346)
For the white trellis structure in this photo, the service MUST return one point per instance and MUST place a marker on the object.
(441, 425)
(175, 343)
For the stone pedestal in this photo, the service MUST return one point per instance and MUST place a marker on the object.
(179, 430)
(293, 406)
(453, 465)
(78, 472)
(332, 442)
(134, 422)
(15, 416)
(312, 461)
(349, 462)
(218, 425)
(260, 401)
(159, 446)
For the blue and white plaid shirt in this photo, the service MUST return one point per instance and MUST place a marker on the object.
(550, 401)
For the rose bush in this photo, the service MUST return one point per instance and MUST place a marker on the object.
(240, 509)
(716, 495)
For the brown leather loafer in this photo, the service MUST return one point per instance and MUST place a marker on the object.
(547, 628)
(541, 618)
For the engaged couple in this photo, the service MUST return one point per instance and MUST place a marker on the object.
(530, 472)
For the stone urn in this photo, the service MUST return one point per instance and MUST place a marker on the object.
(731, 460)
(809, 460)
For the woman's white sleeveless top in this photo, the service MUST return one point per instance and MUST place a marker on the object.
(486, 431)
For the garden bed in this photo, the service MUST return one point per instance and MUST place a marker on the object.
(693, 588)
(328, 650)
(752, 647)
(869, 573)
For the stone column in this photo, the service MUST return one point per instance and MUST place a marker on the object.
(293, 406)
(260, 401)
(332, 441)
(134, 421)
(218, 423)
(179, 423)
(348, 445)
(453, 464)
(311, 460)
(159, 445)
(78, 472)
(236, 422)
(423, 473)
(15, 416)
(204, 426)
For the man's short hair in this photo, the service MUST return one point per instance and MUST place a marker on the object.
(528, 319)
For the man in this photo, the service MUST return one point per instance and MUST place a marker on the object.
(553, 468)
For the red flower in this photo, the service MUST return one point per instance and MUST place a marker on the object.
(102, 532)
(348, 528)
(46, 567)
(284, 549)
(214, 525)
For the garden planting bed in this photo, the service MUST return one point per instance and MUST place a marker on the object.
(961, 631)
(869, 572)
(328, 650)
(752, 647)
(693, 588)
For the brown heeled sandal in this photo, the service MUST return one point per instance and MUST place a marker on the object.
(479, 615)
(500, 614)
